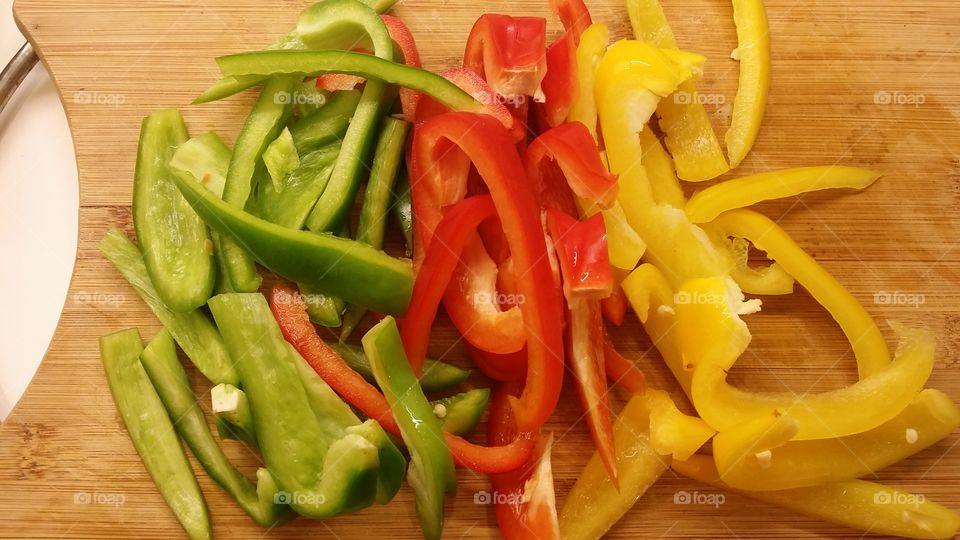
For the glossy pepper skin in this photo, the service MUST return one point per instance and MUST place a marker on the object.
(508, 52)
(321, 475)
(358, 392)
(573, 149)
(753, 52)
(487, 145)
(431, 473)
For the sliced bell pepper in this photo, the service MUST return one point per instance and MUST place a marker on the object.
(404, 40)
(581, 247)
(151, 431)
(621, 371)
(176, 247)
(690, 137)
(440, 178)
(753, 52)
(473, 85)
(561, 87)
(615, 306)
(509, 367)
(290, 205)
(509, 52)
(296, 327)
(333, 82)
(575, 151)
(673, 433)
(866, 506)
(460, 414)
(593, 43)
(931, 417)
(769, 279)
(573, 15)
(344, 268)
(327, 125)
(868, 345)
(431, 473)
(281, 158)
(231, 414)
(402, 207)
(709, 203)
(659, 166)
(525, 502)
(437, 376)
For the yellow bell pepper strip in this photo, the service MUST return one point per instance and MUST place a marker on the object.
(754, 440)
(709, 203)
(593, 504)
(931, 417)
(593, 42)
(711, 337)
(771, 279)
(753, 52)
(651, 297)
(671, 431)
(690, 136)
(868, 345)
(866, 506)
(663, 179)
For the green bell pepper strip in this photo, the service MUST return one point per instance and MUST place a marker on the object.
(327, 125)
(174, 241)
(350, 270)
(263, 124)
(290, 205)
(151, 431)
(318, 476)
(323, 309)
(337, 419)
(459, 414)
(403, 210)
(431, 473)
(193, 331)
(363, 65)
(229, 86)
(387, 158)
(170, 380)
(232, 414)
(867, 506)
(281, 158)
(437, 376)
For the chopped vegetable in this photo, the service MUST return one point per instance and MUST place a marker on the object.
(231, 412)
(436, 376)
(459, 414)
(753, 53)
(281, 158)
(509, 53)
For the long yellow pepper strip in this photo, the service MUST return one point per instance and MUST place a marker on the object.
(753, 51)
(706, 205)
(929, 418)
(663, 178)
(867, 506)
(690, 136)
(868, 345)
(593, 42)
(711, 337)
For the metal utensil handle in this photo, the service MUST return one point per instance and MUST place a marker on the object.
(15, 72)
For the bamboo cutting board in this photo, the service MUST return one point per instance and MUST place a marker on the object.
(865, 83)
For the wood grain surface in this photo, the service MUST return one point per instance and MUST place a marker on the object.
(870, 83)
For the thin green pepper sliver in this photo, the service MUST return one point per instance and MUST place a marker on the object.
(193, 331)
(363, 65)
(387, 158)
(431, 473)
(170, 380)
(151, 431)
(337, 266)
(290, 206)
(328, 124)
(318, 476)
(403, 210)
(437, 376)
(459, 414)
(263, 125)
(175, 244)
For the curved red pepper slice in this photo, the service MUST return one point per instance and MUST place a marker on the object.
(574, 16)
(291, 313)
(509, 52)
(489, 147)
(473, 84)
(623, 372)
(524, 500)
(561, 85)
(582, 251)
(575, 151)
(402, 36)
(500, 367)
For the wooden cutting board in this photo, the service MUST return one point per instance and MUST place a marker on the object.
(865, 83)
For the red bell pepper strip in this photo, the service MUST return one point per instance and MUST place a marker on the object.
(402, 36)
(614, 307)
(525, 502)
(623, 372)
(575, 151)
(574, 16)
(440, 179)
(582, 250)
(500, 367)
(509, 52)
(561, 86)
(291, 314)
(473, 84)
